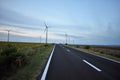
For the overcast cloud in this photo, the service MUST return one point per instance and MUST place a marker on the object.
(95, 22)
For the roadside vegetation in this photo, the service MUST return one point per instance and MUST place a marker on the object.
(112, 52)
(22, 61)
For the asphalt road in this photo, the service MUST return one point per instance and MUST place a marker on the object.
(71, 64)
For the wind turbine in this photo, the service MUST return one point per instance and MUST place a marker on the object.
(8, 34)
(46, 29)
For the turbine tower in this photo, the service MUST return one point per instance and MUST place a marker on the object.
(46, 29)
(8, 35)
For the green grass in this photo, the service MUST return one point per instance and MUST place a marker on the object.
(37, 54)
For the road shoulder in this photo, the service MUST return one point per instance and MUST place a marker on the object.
(108, 57)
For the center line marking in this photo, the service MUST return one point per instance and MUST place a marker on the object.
(92, 65)
(68, 50)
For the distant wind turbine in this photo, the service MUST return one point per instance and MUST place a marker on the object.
(46, 29)
(8, 32)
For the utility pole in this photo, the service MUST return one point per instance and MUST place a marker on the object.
(73, 41)
(69, 39)
(40, 39)
(46, 34)
(66, 38)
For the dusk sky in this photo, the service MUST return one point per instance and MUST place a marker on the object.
(94, 22)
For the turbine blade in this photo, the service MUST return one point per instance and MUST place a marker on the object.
(45, 25)
(45, 30)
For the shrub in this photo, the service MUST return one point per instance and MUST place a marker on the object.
(87, 47)
(45, 45)
(102, 52)
(13, 57)
(21, 59)
(77, 46)
(8, 50)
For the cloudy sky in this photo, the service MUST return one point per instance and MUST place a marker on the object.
(95, 22)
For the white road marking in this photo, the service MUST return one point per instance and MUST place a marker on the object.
(47, 66)
(68, 50)
(92, 65)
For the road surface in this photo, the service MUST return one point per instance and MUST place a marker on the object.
(70, 64)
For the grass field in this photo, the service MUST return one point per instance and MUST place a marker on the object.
(22, 61)
(112, 52)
